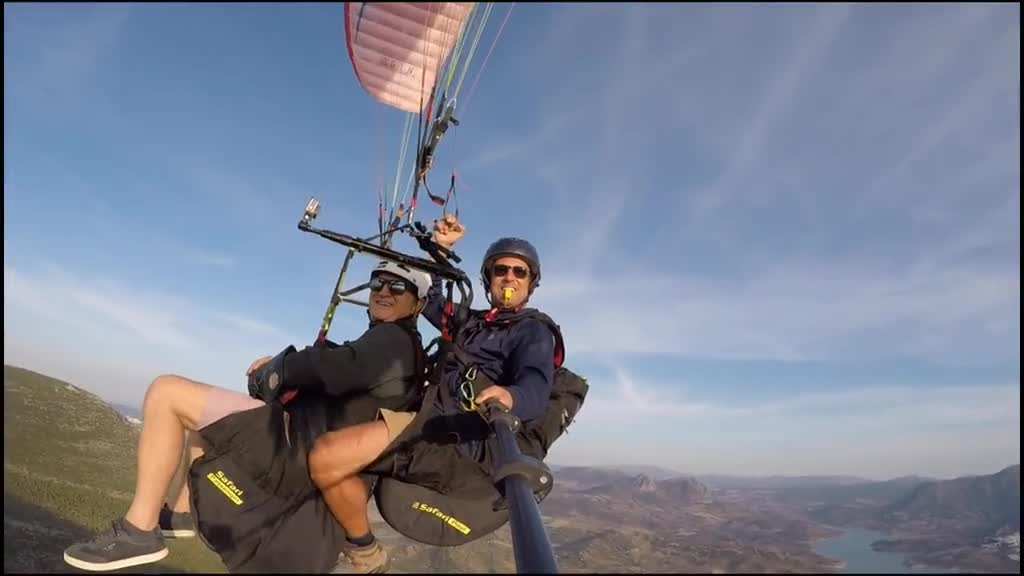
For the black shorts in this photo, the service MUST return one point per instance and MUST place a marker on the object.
(253, 501)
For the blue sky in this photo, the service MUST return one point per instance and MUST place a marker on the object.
(779, 239)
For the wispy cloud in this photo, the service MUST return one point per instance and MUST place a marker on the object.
(141, 318)
(628, 397)
(116, 326)
(794, 310)
(224, 191)
(965, 113)
(510, 148)
(248, 324)
(74, 52)
(777, 103)
(195, 254)
(880, 430)
(786, 253)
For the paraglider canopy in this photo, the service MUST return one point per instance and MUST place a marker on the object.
(398, 49)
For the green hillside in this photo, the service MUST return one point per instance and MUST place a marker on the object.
(69, 470)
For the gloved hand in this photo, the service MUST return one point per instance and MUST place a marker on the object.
(267, 381)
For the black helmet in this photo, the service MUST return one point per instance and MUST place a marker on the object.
(512, 247)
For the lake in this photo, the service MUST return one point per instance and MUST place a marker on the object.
(854, 548)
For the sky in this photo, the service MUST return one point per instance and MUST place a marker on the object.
(779, 239)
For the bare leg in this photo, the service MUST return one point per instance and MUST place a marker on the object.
(172, 406)
(193, 450)
(347, 501)
(334, 465)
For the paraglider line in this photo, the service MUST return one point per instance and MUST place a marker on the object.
(472, 87)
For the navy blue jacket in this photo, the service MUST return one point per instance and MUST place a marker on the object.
(519, 357)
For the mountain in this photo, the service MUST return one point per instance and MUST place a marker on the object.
(731, 482)
(132, 412)
(877, 493)
(643, 489)
(972, 522)
(970, 505)
(583, 477)
(988, 503)
(656, 473)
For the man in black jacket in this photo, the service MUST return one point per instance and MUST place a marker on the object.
(333, 385)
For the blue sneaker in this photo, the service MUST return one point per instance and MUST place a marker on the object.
(121, 547)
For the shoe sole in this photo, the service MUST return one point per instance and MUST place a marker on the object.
(180, 533)
(117, 564)
(347, 567)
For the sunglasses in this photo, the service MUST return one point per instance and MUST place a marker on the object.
(500, 270)
(396, 287)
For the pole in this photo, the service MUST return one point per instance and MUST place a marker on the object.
(517, 476)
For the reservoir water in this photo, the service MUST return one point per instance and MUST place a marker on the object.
(853, 547)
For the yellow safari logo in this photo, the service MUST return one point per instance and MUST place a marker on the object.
(225, 485)
(446, 518)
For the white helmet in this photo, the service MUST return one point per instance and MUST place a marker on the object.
(420, 279)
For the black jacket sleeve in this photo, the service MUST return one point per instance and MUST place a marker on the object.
(384, 353)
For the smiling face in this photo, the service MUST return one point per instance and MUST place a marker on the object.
(510, 276)
(391, 298)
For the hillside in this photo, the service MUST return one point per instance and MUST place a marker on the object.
(987, 504)
(857, 494)
(69, 470)
(973, 521)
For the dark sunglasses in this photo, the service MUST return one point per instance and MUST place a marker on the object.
(396, 287)
(500, 270)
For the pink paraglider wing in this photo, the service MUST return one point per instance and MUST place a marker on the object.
(398, 49)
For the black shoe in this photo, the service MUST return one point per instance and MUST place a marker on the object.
(122, 546)
(176, 524)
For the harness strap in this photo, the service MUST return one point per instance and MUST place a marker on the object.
(451, 328)
(477, 379)
(420, 361)
(449, 312)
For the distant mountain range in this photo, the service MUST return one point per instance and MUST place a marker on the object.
(726, 482)
(126, 410)
(990, 502)
(738, 482)
(641, 488)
